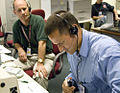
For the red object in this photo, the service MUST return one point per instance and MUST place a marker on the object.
(38, 12)
(1, 32)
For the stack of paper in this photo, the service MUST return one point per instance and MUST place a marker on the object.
(4, 50)
(5, 58)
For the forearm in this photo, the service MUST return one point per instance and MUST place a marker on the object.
(21, 53)
(41, 49)
(18, 47)
(116, 14)
(95, 17)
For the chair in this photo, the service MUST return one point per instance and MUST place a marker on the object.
(1, 28)
(58, 60)
(109, 21)
(39, 12)
(6, 43)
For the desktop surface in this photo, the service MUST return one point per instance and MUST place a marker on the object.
(113, 29)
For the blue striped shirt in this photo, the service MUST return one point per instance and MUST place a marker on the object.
(98, 66)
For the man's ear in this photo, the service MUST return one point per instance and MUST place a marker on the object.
(14, 11)
(75, 25)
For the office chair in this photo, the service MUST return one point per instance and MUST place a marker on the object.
(109, 21)
(39, 12)
(1, 28)
(58, 60)
(6, 43)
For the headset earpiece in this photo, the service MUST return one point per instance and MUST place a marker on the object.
(29, 6)
(73, 30)
(29, 9)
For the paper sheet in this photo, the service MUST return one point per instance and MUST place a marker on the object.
(30, 87)
(4, 50)
(5, 58)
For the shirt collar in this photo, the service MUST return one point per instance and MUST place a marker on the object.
(84, 45)
(30, 23)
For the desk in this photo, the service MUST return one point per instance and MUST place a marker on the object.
(30, 85)
(116, 33)
(25, 83)
(86, 23)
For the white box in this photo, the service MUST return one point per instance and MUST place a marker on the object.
(51, 6)
(8, 83)
(81, 9)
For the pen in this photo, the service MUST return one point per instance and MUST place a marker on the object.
(24, 81)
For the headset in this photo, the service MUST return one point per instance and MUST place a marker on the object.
(73, 29)
(29, 5)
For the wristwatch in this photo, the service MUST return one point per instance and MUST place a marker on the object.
(40, 60)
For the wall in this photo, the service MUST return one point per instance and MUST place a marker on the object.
(35, 4)
(118, 4)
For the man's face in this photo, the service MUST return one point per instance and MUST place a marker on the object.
(99, 1)
(63, 41)
(21, 10)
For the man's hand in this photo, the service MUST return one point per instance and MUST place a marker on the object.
(40, 68)
(67, 89)
(22, 55)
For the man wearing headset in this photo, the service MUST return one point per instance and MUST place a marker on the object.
(33, 46)
(94, 58)
(99, 11)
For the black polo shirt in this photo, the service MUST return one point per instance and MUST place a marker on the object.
(103, 7)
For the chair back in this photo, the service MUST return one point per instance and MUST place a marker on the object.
(40, 12)
(110, 18)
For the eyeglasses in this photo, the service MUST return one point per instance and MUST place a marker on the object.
(23, 9)
(61, 44)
